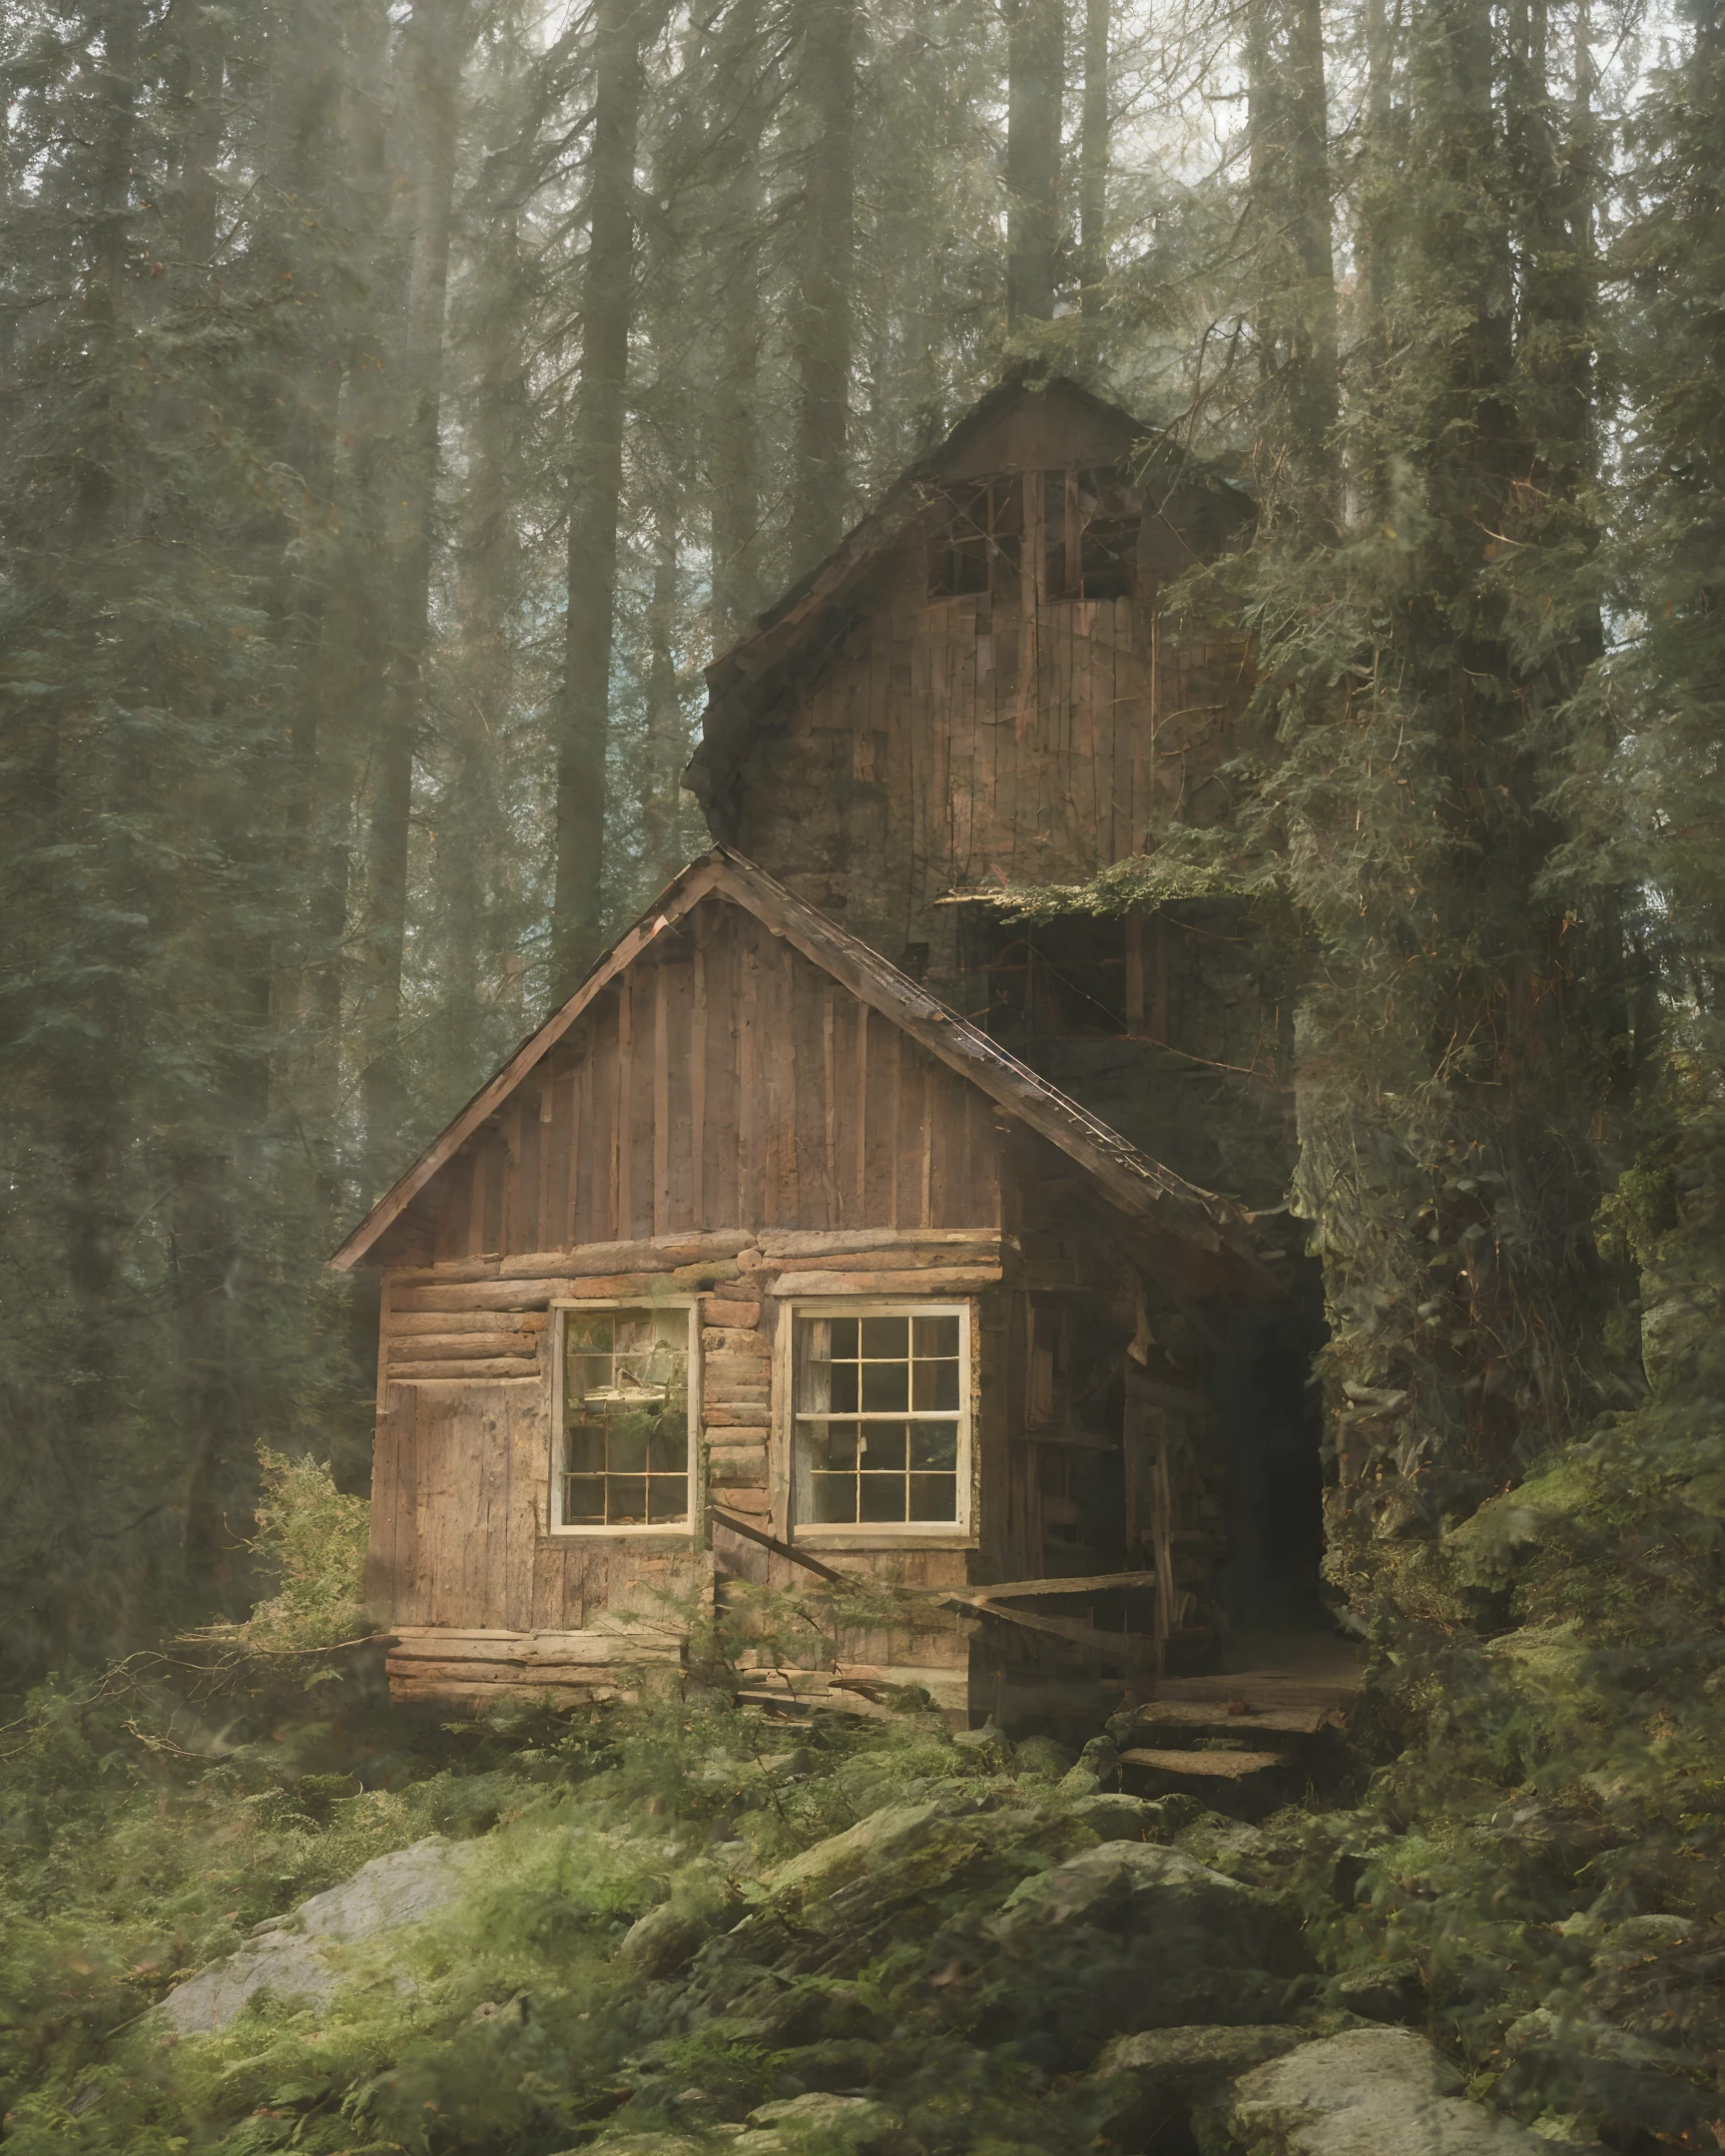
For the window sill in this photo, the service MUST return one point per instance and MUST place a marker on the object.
(665, 1536)
(876, 1538)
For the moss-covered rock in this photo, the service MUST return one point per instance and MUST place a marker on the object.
(1368, 2092)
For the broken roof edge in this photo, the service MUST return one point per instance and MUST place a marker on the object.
(730, 684)
(1132, 1181)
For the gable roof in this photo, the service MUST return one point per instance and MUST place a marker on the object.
(745, 682)
(1137, 1185)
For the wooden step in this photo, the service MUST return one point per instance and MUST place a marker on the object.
(1213, 1719)
(1265, 1690)
(1208, 1766)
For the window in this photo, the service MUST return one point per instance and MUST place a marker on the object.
(980, 546)
(625, 1430)
(1090, 526)
(881, 1418)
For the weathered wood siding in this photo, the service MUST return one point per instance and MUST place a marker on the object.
(941, 745)
(722, 1079)
(460, 1484)
(462, 1558)
(948, 738)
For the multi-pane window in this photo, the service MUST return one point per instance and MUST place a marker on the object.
(880, 1418)
(626, 1428)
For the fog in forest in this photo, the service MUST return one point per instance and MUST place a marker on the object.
(409, 410)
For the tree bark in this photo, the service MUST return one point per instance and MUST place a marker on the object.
(825, 327)
(1036, 93)
(1093, 152)
(1377, 209)
(1296, 267)
(735, 457)
(470, 839)
(430, 68)
(595, 491)
(665, 738)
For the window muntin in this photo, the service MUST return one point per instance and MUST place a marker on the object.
(977, 551)
(880, 1418)
(625, 1443)
(1090, 523)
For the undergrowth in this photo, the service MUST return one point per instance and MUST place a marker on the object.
(1535, 1867)
(144, 1832)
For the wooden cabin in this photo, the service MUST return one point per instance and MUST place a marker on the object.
(772, 1250)
(757, 1252)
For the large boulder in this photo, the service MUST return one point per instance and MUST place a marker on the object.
(1185, 2061)
(882, 1840)
(1370, 2092)
(1134, 1935)
(290, 1957)
(850, 2122)
(1112, 1816)
(1143, 2081)
(668, 1937)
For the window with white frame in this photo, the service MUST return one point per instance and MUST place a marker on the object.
(626, 1434)
(881, 1418)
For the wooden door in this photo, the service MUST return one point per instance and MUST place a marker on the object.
(460, 1475)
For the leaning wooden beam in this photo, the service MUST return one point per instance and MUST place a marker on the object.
(1130, 1650)
(1094, 1584)
(751, 1533)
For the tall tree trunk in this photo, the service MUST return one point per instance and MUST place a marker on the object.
(735, 456)
(595, 492)
(825, 329)
(469, 826)
(429, 65)
(1316, 400)
(1093, 152)
(195, 81)
(1296, 265)
(665, 738)
(1035, 94)
(90, 1093)
(1376, 211)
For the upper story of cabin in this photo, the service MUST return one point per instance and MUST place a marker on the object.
(976, 690)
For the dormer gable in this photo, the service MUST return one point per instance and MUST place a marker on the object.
(973, 690)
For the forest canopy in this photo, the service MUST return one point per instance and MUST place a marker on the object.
(404, 404)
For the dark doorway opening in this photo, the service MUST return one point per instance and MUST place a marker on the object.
(1269, 1417)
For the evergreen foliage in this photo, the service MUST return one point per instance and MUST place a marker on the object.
(301, 309)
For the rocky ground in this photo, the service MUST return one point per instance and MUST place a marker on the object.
(997, 1956)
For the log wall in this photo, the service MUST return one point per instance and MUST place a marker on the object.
(482, 1594)
(479, 1590)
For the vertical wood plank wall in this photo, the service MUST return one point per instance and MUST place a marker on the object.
(724, 1079)
(944, 744)
(948, 738)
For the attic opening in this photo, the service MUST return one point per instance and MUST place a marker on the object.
(1087, 518)
(980, 548)
(1077, 976)
(1090, 520)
